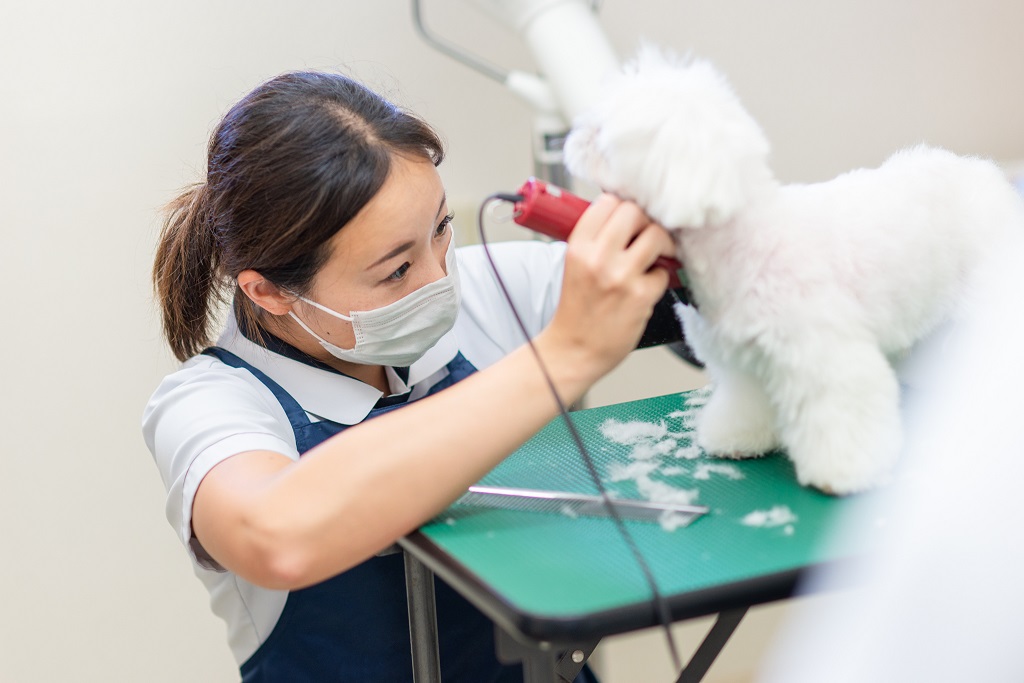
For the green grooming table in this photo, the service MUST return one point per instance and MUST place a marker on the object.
(556, 584)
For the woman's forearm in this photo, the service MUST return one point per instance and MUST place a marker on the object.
(359, 491)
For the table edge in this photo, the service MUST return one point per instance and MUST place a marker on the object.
(532, 627)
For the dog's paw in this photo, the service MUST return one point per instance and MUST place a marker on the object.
(842, 458)
(842, 481)
(736, 425)
(735, 441)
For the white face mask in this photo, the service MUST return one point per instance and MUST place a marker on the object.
(400, 333)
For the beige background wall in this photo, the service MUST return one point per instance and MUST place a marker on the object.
(105, 108)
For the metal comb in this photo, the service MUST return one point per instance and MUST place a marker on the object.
(576, 504)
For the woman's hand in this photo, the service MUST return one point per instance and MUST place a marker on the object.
(609, 288)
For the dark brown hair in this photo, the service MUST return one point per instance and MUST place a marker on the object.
(287, 167)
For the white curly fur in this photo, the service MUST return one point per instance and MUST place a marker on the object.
(806, 293)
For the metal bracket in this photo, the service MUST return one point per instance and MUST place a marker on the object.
(543, 662)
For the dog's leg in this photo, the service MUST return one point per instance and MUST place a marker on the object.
(738, 421)
(839, 416)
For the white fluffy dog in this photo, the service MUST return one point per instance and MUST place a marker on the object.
(806, 294)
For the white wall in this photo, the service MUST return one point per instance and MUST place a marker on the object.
(106, 107)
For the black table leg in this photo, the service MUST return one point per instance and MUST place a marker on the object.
(419, 588)
(713, 643)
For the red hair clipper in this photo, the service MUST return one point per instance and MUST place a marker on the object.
(552, 211)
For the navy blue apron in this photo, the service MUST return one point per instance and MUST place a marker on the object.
(355, 626)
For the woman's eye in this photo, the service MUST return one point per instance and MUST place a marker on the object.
(443, 225)
(400, 273)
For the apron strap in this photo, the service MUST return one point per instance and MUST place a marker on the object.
(296, 415)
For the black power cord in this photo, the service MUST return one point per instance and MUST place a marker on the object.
(659, 604)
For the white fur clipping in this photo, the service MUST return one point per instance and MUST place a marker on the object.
(710, 155)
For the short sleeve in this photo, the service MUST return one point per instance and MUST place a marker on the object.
(532, 273)
(197, 418)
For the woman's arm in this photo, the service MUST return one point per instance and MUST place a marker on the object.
(284, 524)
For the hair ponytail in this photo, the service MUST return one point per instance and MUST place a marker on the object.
(185, 272)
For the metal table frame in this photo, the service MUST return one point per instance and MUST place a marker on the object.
(556, 660)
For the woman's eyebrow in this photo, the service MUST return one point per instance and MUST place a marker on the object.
(405, 246)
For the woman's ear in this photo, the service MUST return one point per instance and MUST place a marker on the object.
(265, 294)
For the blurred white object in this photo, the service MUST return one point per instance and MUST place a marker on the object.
(940, 595)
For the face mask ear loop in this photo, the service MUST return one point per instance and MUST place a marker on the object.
(307, 329)
(323, 308)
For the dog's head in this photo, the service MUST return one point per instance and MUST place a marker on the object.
(672, 136)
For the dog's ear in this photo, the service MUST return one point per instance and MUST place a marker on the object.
(707, 178)
(671, 135)
(582, 156)
(709, 157)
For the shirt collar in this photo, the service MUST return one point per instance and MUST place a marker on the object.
(321, 390)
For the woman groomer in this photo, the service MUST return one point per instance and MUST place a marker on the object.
(324, 217)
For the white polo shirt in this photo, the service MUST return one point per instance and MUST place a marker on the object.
(207, 411)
